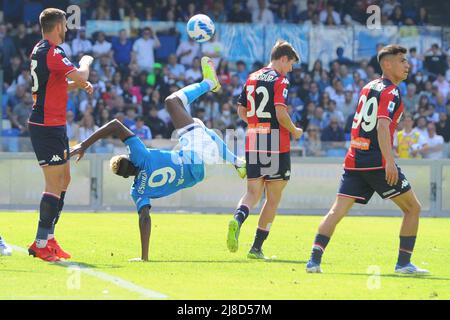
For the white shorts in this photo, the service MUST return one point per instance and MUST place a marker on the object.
(194, 138)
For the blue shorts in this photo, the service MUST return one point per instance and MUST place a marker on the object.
(361, 185)
(50, 144)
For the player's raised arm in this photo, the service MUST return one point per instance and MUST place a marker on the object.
(79, 77)
(113, 127)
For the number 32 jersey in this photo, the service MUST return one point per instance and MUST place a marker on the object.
(263, 90)
(378, 99)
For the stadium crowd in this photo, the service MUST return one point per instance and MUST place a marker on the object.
(131, 85)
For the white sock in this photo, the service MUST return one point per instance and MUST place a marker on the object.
(41, 243)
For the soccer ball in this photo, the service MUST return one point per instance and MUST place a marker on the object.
(200, 28)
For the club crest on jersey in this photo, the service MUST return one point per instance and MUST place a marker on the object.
(394, 92)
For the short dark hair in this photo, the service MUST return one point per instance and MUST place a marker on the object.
(284, 48)
(392, 49)
(49, 18)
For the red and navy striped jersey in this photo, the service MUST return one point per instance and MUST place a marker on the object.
(263, 90)
(49, 68)
(378, 99)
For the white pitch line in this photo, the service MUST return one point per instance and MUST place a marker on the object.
(106, 277)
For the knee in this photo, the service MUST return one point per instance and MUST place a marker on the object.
(413, 209)
(144, 217)
(169, 102)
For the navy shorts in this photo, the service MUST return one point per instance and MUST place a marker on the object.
(361, 185)
(277, 166)
(50, 144)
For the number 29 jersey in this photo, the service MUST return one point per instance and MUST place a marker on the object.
(378, 99)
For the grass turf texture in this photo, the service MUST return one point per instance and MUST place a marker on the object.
(189, 259)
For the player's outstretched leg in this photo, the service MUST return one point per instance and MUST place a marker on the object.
(255, 188)
(226, 154)
(5, 250)
(411, 208)
(339, 209)
(176, 103)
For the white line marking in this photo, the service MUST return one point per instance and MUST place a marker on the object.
(106, 277)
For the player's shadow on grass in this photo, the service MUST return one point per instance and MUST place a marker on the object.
(392, 275)
(83, 265)
(243, 260)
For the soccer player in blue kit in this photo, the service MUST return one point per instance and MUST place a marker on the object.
(159, 173)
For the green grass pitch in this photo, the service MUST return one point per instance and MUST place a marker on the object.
(189, 259)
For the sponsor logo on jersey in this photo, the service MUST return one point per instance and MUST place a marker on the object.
(360, 143)
(260, 128)
(285, 81)
(180, 182)
(264, 77)
(143, 184)
(55, 158)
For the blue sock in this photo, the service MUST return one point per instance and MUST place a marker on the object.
(406, 249)
(224, 152)
(195, 90)
(320, 243)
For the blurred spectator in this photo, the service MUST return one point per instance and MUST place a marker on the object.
(227, 119)
(434, 144)
(194, 74)
(12, 70)
(81, 45)
(318, 118)
(143, 49)
(329, 14)
(332, 113)
(334, 139)
(411, 99)
(435, 60)
(130, 118)
(223, 72)
(443, 129)
(176, 70)
(20, 114)
(141, 130)
(313, 144)
(72, 128)
(101, 46)
(237, 14)
(408, 142)
(187, 51)
(374, 60)
(87, 127)
(421, 126)
(415, 61)
(7, 48)
(157, 126)
(122, 47)
(309, 12)
(442, 84)
(262, 14)
(213, 49)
